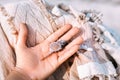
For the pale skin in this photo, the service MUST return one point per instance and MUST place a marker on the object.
(37, 62)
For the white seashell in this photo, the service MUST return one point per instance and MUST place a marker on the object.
(56, 11)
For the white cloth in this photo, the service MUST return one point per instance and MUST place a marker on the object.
(95, 68)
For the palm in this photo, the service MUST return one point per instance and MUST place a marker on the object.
(36, 61)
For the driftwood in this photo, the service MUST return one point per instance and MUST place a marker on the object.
(90, 62)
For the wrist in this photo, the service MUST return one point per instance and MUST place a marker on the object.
(18, 74)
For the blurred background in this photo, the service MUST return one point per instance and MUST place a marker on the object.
(109, 8)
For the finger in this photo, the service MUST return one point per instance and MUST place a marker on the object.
(76, 41)
(69, 50)
(59, 33)
(67, 54)
(22, 35)
(70, 34)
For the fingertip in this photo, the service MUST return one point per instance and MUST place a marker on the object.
(74, 49)
(22, 24)
(23, 28)
(81, 39)
(22, 34)
(76, 29)
(68, 25)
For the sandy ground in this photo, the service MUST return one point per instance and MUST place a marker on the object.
(109, 8)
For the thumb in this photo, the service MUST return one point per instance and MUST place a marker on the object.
(22, 37)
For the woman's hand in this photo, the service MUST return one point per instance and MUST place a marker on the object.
(36, 61)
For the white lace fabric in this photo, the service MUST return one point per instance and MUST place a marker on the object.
(95, 69)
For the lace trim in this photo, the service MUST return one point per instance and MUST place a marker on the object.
(95, 68)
